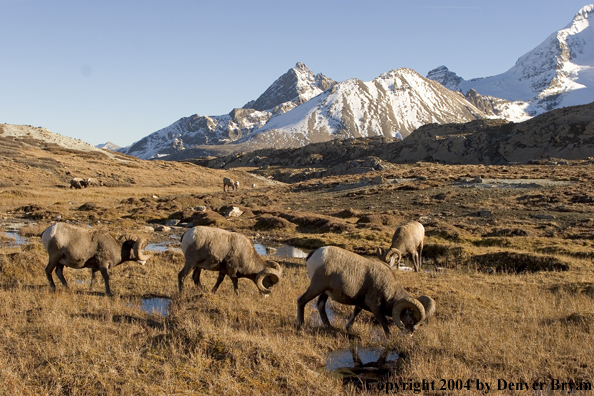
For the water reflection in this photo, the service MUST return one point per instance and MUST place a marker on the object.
(367, 364)
(280, 250)
(18, 238)
(156, 305)
(161, 247)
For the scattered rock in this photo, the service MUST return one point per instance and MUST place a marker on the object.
(234, 211)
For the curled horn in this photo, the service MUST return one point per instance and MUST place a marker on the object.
(128, 237)
(138, 249)
(389, 255)
(408, 303)
(429, 305)
(273, 272)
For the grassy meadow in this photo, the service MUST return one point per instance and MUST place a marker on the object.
(514, 287)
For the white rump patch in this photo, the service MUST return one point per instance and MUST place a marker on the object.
(316, 260)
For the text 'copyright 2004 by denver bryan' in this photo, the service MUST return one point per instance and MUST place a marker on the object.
(478, 385)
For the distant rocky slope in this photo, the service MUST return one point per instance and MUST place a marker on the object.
(43, 134)
(566, 133)
(557, 73)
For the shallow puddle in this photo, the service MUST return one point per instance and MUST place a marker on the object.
(18, 238)
(367, 364)
(156, 305)
(161, 247)
(280, 250)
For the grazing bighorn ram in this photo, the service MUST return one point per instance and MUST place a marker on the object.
(367, 284)
(77, 183)
(228, 183)
(229, 253)
(78, 247)
(408, 238)
(93, 182)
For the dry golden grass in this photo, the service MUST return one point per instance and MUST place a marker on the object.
(520, 327)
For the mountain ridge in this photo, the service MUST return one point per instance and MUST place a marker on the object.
(393, 105)
(558, 72)
(301, 107)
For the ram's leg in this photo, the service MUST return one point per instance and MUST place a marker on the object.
(311, 293)
(183, 273)
(415, 260)
(235, 281)
(93, 277)
(106, 280)
(220, 279)
(321, 306)
(196, 278)
(352, 318)
(49, 268)
(60, 274)
(379, 316)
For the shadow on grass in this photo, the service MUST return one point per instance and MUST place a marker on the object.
(122, 319)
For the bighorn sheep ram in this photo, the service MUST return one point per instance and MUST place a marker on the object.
(367, 284)
(77, 183)
(78, 247)
(230, 253)
(408, 238)
(93, 182)
(228, 183)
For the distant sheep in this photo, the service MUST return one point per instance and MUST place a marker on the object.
(231, 254)
(93, 182)
(367, 284)
(77, 183)
(228, 183)
(408, 238)
(78, 247)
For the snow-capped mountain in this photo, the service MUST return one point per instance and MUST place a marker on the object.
(296, 86)
(301, 108)
(557, 73)
(108, 146)
(392, 105)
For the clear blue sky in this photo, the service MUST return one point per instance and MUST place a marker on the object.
(117, 71)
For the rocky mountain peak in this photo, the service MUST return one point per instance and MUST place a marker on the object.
(298, 84)
(445, 77)
(582, 15)
(557, 73)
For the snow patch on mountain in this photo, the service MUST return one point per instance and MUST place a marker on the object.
(392, 105)
(557, 73)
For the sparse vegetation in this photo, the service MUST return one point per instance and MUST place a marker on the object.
(514, 292)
